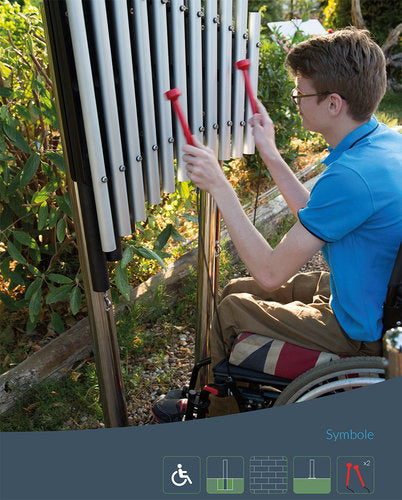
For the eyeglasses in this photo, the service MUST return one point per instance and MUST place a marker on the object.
(295, 95)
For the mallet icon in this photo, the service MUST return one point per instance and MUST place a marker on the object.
(356, 468)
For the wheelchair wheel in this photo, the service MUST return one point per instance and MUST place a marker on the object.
(332, 378)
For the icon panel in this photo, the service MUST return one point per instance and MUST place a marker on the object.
(268, 475)
(225, 475)
(355, 475)
(312, 475)
(181, 475)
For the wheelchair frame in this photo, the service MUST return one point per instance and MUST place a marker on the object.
(255, 390)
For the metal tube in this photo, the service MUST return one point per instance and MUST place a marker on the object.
(164, 120)
(211, 73)
(129, 111)
(111, 116)
(179, 76)
(238, 80)
(144, 69)
(90, 117)
(253, 55)
(195, 69)
(225, 78)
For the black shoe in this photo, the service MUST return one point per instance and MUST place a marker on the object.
(169, 410)
(177, 393)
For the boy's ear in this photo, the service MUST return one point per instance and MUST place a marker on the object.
(335, 104)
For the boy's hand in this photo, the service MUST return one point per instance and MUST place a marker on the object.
(203, 168)
(264, 132)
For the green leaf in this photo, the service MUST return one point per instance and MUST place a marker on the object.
(75, 300)
(57, 323)
(177, 236)
(25, 239)
(127, 257)
(147, 253)
(34, 305)
(30, 168)
(42, 216)
(64, 204)
(8, 301)
(61, 230)
(121, 279)
(57, 294)
(33, 288)
(163, 237)
(5, 91)
(190, 218)
(183, 189)
(35, 271)
(59, 278)
(57, 159)
(53, 217)
(16, 138)
(3, 145)
(15, 254)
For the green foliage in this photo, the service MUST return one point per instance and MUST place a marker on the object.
(274, 89)
(36, 227)
(379, 15)
(39, 268)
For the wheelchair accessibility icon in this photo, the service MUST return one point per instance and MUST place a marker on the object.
(180, 477)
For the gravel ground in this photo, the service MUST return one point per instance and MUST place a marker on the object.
(178, 359)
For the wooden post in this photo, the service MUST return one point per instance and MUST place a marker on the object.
(100, 310)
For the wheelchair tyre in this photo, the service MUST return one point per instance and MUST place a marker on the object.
(334, 377)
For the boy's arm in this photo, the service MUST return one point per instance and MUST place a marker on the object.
(270, 267)
(295, 194)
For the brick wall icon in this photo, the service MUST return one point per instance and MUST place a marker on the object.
(268, 475)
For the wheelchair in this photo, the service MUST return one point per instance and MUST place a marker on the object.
(263, 373)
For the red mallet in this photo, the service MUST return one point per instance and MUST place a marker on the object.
(356, 468)
(173, 95)
(244, 65)
(348, 465)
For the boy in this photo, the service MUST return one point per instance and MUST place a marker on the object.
(353, 213)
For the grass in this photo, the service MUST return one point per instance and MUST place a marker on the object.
(55, 405)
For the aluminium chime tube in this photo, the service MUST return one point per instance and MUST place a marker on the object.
(225, 78)
(195, 69)
(90, 118)
(164, 121)
(178, 39)
(238, 79)
(253, 55)
(111, 116)
(146, 98)
(135, 179)
(211, 73)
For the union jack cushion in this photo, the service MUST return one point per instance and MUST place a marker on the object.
(275, 357)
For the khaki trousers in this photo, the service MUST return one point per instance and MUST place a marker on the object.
(298, 312)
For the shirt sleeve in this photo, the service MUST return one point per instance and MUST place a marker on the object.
(340, 202)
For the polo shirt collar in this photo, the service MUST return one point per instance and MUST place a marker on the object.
(350, 139)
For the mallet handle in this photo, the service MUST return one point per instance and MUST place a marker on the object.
(247, 82)
(184, 124)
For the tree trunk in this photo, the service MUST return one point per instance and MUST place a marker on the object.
(357, 17)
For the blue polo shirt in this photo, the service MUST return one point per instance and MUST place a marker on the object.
(355, 207)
